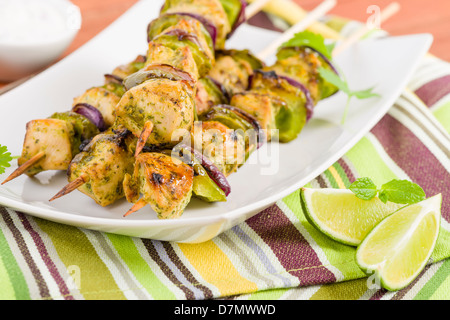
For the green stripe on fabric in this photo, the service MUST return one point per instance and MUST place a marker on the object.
(368, 163)
(12, 274)
(128, 252)
(350, 290)
(274, 294)
(340, 256)
(442, 113)
(330, 178)
(7, 291)
(443, 291)
(75, 249)
(342, 174)
(435, 282)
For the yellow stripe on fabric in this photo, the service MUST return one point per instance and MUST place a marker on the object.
(74, 249)
(216, 268)
(7, 289)
(349, 290)
(337, 177)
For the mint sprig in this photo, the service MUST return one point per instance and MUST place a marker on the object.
(341, 83)
(5, 159)
(396, 191)
(312, 40)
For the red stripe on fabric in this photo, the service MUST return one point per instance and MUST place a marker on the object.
(410, 154)
(65, 292)
(290, 247)
(434, 91)
(21, 244)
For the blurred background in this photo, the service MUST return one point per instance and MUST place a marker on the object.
(416, 16)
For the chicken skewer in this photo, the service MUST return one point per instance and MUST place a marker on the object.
(103, 98)
(267, 81)
(162, 55)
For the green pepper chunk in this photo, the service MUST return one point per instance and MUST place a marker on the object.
(204, 188)
(288, 54)
(291, 117)
(232, 9)
(176, 42)
(158, 26)
(83, 127)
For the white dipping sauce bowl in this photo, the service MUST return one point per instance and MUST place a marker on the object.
(20, 55)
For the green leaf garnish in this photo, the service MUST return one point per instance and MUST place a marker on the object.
(310, 39)
(396, 191)
(364, 188)
(342, 84)
(5, 158)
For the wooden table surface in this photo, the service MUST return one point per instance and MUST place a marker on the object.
(416, 16)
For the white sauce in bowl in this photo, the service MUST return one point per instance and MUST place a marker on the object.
(31, 21)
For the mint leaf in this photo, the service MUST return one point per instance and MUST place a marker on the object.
(334, 79)
(364, 188)
(365, 94)
(342, 84)
(310, 39)
(401, 192)
(5, 158)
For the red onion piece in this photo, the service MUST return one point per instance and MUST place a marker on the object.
(325, 59)
(213, 172)
(209, 26)
(92, 113)
(111, 78)
(157, 71)
(309, 104)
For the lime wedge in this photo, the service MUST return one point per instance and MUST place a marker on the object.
(399, 247)
(342, 216)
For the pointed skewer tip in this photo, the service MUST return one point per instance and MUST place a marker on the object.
(24, 167)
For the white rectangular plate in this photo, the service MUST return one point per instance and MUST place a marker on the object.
(386, 64)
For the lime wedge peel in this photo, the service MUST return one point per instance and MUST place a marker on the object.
(400, 246)
(342, 216)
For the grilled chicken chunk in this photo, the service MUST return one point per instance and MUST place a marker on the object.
(233, 74)
(103, 100)
(225, 147)
(262, 107)
(179, 59)
(168, 105)
(164, 182)
(52, 137)
(302, 68)
(103, 163)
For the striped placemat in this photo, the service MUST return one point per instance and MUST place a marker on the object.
(276, 254)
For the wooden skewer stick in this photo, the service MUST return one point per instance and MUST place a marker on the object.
(24, 167)
(146, 131)
(78, 182)
(313, 16)
(137, 206)
(254, 8)
(385, 14)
